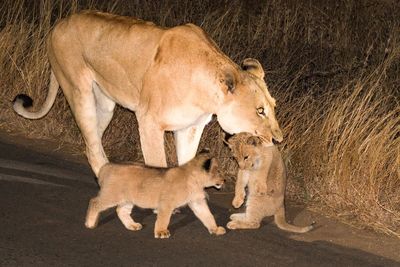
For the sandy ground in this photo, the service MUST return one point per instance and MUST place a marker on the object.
(44, 194)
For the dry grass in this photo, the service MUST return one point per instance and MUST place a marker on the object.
(334, 69)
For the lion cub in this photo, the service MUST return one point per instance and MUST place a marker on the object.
(163, 189)
(262, 169)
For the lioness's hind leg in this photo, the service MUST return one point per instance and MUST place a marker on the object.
(82, 101)
(124, 214)
(104, 109)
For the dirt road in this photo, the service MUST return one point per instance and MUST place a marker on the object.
(42, 209)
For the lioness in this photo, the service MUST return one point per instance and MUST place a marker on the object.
(263, 171)
(174, 79)
(161, 189)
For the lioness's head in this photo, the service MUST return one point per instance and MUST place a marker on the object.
(248, 105)
(245, 148)
(206, 171)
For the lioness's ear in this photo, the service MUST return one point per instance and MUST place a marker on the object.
(230, 81)
(254, 141)
(254, 67)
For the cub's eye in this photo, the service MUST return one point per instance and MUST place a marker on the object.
(261, 111)
(246, 157)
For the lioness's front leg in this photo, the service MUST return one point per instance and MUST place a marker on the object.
(187, 140)
(240, 193)
(152, 143)
(201, 210)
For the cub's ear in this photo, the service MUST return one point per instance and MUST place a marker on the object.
(205, 150)
(214, 165)
(207, 165)
(254, 141)
(226, 140)
(254, 67)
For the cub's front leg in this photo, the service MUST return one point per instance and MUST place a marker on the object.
(163, 217)
(240, 193)
(201, 210)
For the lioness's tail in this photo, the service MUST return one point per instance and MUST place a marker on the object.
(280, 221)
(21, 102)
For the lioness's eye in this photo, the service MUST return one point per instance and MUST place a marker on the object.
(246, 157)
(261, 111)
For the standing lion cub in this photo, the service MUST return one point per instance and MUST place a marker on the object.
(262, 170)
(161, 189)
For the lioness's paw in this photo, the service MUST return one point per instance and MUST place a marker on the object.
(134, 226)
(232, 225)
(237, 202)
(162, 234)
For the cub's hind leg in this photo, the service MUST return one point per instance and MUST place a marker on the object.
(124, 214)
(243, 224)
(96, 205)
(251, 219)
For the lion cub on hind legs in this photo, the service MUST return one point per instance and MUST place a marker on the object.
(262, 170)
(161, 189)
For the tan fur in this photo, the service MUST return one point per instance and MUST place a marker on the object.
(160, 189)
(262, 170)
(174, 79)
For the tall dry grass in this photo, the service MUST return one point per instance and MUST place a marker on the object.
(333, 67)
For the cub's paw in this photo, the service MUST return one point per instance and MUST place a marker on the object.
(237, 202)
(162, 234)
(91, 224)
(134, 226)
(232, 225)
(218, 231)
(237, 216)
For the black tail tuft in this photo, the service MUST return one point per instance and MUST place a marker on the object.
(24, 99)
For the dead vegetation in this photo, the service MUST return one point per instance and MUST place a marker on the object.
(334, 69)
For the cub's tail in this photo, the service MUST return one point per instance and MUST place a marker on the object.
(280, 221)
(21, 102)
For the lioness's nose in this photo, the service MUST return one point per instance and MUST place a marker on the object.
(277, 135)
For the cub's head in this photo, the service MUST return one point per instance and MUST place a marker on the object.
(248, 105)
(206, 172)
(246, 149)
